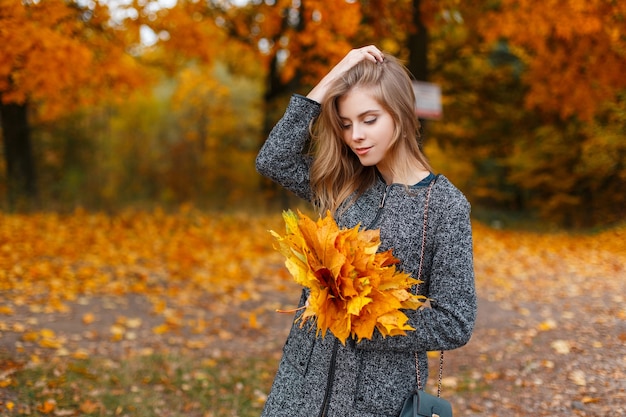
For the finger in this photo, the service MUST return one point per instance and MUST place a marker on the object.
(376, 53)
(373, 53)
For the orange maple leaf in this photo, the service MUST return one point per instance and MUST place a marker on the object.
(354, 289)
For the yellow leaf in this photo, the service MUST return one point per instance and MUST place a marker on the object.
(47, 333)
(117, 332)
(7, 310)
(50, 343)
(159, 306)
(356, 304)
(253, 323)
(393, 323)
(578, 377)
(133, 323)
(80, 354)
(590, 400)
(547, 325)
(88, 318)
(561, 346)
(18, 328)
(161, 329)
(30, 337)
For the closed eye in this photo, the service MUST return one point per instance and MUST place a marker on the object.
(370, 121)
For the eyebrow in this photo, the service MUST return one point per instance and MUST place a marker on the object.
(364, 113)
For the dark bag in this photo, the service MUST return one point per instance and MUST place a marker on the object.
(423, 404)
(420, 403)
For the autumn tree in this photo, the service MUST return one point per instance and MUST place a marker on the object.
(292, 44)
(56, 56)
(533, 94)
(506, 154)
(216, 99)
(295, 43)
(575, 51)
(481, 54)
(574, 58)
(481, 99)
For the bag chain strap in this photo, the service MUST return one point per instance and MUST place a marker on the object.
(419, 277)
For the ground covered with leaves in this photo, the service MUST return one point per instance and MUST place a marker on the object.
(157, 314)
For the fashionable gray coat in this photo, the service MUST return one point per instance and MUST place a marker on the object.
(371, 378)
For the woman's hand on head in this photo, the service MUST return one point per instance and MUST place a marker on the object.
(370, 52)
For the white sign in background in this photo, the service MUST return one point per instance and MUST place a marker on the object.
(427, 100)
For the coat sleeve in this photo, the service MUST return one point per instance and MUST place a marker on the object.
(450, 277)
(282, 157)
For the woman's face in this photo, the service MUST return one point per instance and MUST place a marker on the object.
(368, 129)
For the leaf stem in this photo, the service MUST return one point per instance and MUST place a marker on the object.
(293, 310)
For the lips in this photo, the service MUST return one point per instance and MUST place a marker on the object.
(362, 151)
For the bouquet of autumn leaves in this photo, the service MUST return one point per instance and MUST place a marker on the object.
(353, 288)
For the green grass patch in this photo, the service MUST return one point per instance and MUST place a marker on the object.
(140, 387)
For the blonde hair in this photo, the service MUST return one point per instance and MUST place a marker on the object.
(336, 172)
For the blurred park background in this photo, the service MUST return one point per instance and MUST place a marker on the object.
(110, 104)
(137, 274)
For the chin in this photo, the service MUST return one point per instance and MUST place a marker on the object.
(367, 163)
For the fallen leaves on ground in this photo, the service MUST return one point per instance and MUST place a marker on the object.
(552, 321)
(197, 271)
(551, 324)
(184, 264)
(48, 259)
(523, 266)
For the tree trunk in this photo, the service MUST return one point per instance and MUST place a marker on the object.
(418, 54)
(18, 153)
(418, 45)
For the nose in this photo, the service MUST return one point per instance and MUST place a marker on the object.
(357, 133)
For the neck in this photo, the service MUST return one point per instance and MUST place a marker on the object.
(410, 174)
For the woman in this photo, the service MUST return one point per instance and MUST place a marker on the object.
(366, 168)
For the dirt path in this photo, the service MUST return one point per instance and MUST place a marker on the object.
(563, 358)
(541, 362)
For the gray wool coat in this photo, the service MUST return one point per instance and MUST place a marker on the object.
(372, 378)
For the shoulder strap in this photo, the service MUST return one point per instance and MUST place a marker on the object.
(419, 277)
(430, 187)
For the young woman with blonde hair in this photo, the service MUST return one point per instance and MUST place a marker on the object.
(351, 147)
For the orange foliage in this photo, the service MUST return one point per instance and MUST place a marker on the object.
(59, 54)
(575, 50)
(313, 36)
(185, 32)
(317, 34)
